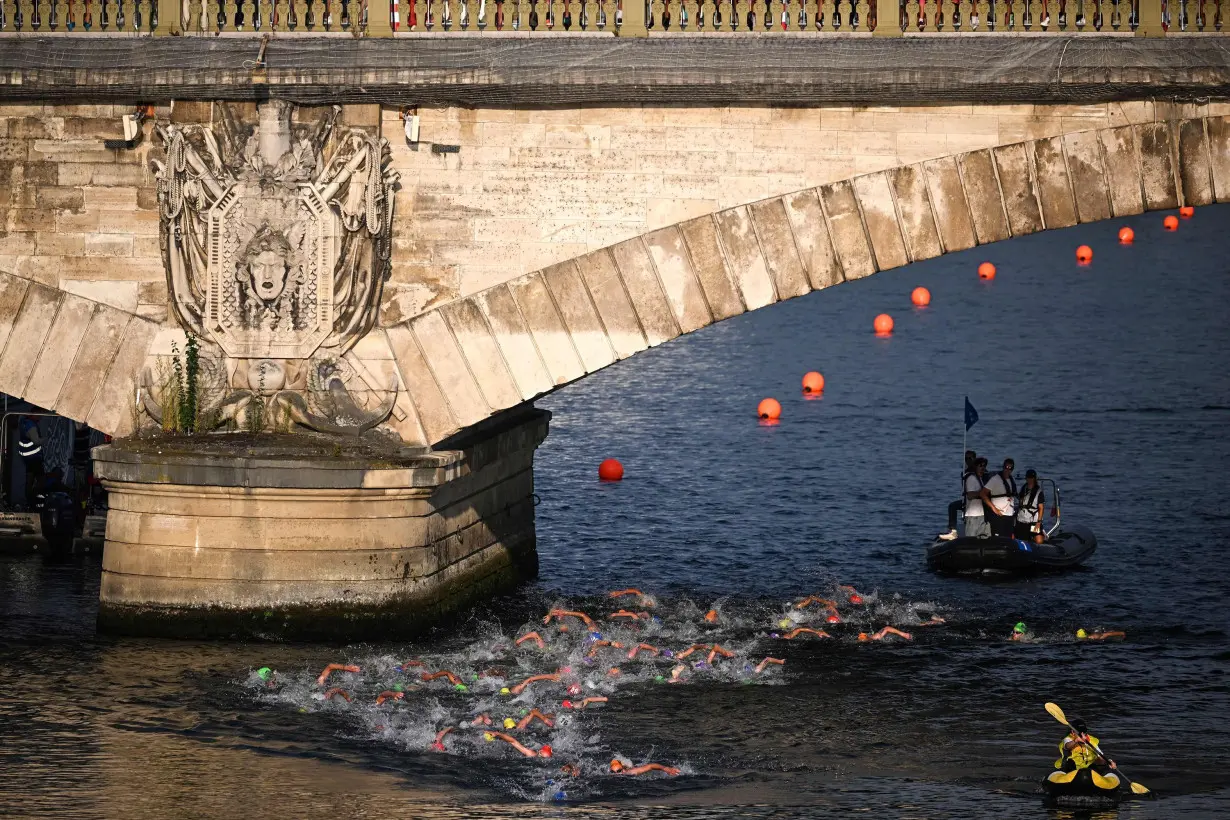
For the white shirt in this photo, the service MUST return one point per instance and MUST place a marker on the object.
(973, 506)
(1001, 495)
(1026, 516)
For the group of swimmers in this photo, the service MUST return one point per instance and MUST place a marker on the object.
(590, 657)
(1020, 632)
(995, 506)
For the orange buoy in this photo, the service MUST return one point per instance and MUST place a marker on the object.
(769, 409)
(611, 470)
(986, 271)
(1084, 255)
(921, 297)
(1171, 223)
(1126, 235)
(1187, 212)
(884, 324)
(813, 382)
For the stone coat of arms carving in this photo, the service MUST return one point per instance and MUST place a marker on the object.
(277, 250)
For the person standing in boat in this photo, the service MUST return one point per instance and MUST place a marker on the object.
(976, 500)
(1002, 489)
(1031, 504)
(956, 506)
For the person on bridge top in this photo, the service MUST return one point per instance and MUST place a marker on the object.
(956, 506)
(1031, 504)
(1002, 489)
(976, 499)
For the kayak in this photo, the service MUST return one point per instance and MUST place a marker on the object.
(1084, 788)
(1064, 549)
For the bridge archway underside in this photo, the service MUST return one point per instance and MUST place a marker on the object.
(474, 357)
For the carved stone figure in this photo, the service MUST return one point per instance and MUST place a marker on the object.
(277, 250)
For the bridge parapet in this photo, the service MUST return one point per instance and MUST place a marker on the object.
(608, 18)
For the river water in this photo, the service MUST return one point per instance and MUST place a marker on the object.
(1110, 379)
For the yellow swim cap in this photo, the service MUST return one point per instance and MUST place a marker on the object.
(509, 723)
(505, 691)
(487, 736)
(1080, 633)
(784, 623)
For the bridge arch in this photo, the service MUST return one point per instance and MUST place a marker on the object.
(469, 359)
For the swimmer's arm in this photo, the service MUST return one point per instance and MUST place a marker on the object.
(512, 741)
(619, 593)
(547, 720)
(587, 701)
(532, 636)
(337, 690)
(334, 667)
(760, 666)
(520, 687)
(389, 694)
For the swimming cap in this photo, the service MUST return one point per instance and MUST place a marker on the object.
(564, 670)
(461, 687)
(504, 690)
(264, 672)
(597, 636)
(855, 598)
(1020, 627)
(566, 704)
(574, 689)
(833, 619)
(399, 687)
(774, 635)
(487, 736)
(560, 796)
(658, 678)
(784, 623)
(666, 653)
(863, 636)
(1080, 633)
(523, 711)
(474, 676)
(509, 723)
(545, 751)
(616, 766)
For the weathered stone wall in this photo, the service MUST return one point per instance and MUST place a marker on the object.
(530, 188)
(315, 546)
(477, 355)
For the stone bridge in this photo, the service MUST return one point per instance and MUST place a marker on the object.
(557, 242)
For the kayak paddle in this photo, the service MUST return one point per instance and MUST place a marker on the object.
(1057, 713)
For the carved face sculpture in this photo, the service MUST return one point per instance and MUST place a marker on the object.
(266, 265)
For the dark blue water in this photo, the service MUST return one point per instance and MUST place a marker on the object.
(1112, 380)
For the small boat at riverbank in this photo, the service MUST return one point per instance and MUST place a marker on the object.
(1063, 549)
(1084, 789)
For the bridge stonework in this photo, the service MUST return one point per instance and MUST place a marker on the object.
(555, 241)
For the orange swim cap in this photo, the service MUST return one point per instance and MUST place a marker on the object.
(616, 766)
(833, 619)
(711, 616)
(545, 751)
(863, 636)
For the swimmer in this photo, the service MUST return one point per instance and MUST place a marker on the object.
(561, 614)
(815, 599)
(645, 600)
(641, 647)
(1100, 636)
(443, 673)
(794, 633)
(636, 616)
(545, 751)
(533, 636)
(711, 617)
(1020, 632)
(438, 743)
(570, 770)
(520, 687)
(677, 671)
(888, 630)
(547, 720)
(389, 694)
(596, 645)
(613, 672)
(935, 620)
(335, 667)
(618, 767)
(335, 691)
(407, 665)
(693, 648)
(855, 598)
(588, 701)
(716, 651)
(760, 667)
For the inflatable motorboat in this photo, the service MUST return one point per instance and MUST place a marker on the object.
(1063, 549)
(1084, 788)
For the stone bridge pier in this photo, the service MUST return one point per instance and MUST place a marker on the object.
(315, 299)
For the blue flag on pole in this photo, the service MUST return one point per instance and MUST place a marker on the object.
(971, 415)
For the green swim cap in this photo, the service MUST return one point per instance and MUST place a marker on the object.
(461, 687)
(1020, 627)
(658, 678)
(399, 687)
(264, 673)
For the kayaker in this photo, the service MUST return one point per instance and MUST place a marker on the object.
(1077, 749)
(1031, 505)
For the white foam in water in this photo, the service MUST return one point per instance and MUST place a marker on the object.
(491, 662)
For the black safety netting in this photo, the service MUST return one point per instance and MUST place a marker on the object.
(571, 70)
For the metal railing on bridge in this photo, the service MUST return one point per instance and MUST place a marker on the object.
(609, 17)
